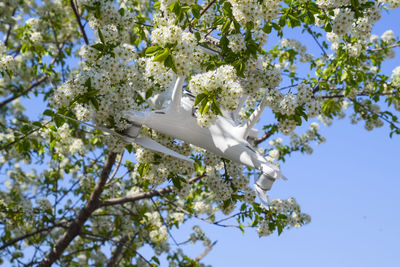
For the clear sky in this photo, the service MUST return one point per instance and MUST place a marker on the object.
(350, 186)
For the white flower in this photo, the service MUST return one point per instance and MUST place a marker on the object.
(274, 153)
(314, 126)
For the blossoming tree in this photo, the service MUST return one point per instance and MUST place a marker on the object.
(74, 195)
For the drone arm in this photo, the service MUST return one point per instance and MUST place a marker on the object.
(255, 117)
(235, 113)
(177, 94)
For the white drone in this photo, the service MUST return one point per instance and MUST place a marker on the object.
(173, 115)
(225, 138)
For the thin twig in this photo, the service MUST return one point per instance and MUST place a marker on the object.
(198, 217)
(37, 83)
(315, 39)
(230, 217)
(33, 85)
(12, 242)
(78, 19)
(9, 29)
(117, 251)
(145, 195)
(202, 255)
(116, 169)
(163, 221)
(265, 136)
(207, 7)
(382, 48)
(22, 137)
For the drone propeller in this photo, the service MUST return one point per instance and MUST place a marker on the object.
(144, 141)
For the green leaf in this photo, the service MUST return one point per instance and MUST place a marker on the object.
(196, 12)
(92, 92)
(162, 55)
(149, 92)
(241, 227)
(267, 28)
(142, 169)
(48, 112)
(224, 42)
(99, 47)
(328, 27)
(121, 11)
(101, 36)
(152, 50)
(156, 260)
(59, 121)
(157, 5)
(199, 98)
(282, 20)
(205, 107)
(215, 109)
(176, 8)
(226, 26)
(355, 4)
(219, 21)
(227, 9)
(280, 228)
(198, 167)
(37, 123)
(169, 63)
(198, 36)
(95, 103)
(240, 67)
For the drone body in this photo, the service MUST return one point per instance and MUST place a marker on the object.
(224, 138)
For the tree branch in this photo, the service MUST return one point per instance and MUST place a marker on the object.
(118, 251)
(202, 255)
(382, 48)
(12, 242)
(78, 19)
(207, 7)
(22, 137)
(9, 29)
(265, 136)
(92, 204)
(116, 168)
(217, 223)
(316, 39)
(33, 85)
(145, 195)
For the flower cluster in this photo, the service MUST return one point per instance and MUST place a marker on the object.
(292, 214)
(254, 11)
(182, 45)
(107, 83)
(158, 232)
(7, 62)
(344, 22)
(237, 43)
(396, 75)
(223, 85)
(369, 113)
(391, 4)
(286, 105)
(301, 142)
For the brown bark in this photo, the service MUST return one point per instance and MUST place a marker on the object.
(84, 214)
